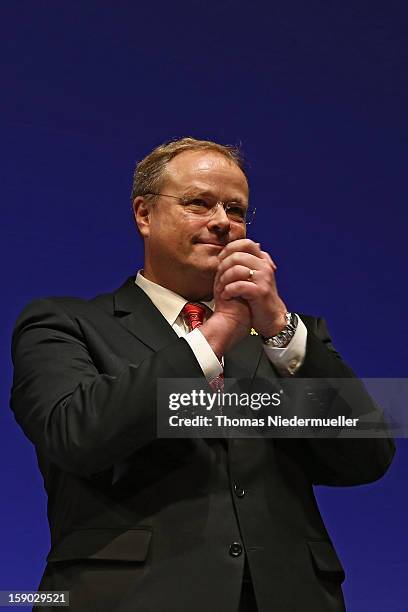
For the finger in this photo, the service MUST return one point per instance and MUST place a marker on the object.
(240, 289)
(243, 245)
(243, 259)
(267, 257)
(237, 273)
(217, 287)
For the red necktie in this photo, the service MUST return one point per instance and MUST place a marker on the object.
(195, 314)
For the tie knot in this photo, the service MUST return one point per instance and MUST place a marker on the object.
(195, 314)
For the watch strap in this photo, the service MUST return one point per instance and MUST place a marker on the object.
(282, 339)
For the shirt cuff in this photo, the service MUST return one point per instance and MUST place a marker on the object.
(289, 359)
(204, 354)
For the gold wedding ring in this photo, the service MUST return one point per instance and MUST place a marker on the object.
(251, 274)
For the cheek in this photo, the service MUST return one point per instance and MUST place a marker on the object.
(237, 232)
(178, 240)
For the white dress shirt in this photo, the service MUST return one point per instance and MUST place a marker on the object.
(287, 360)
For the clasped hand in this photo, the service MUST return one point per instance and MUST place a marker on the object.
(252, 297)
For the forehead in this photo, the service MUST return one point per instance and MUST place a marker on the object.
(206, 170)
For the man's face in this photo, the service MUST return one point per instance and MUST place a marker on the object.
(182, 248)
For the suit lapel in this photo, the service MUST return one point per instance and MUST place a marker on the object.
(137, 313)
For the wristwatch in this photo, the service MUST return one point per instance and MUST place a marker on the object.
(285, 336)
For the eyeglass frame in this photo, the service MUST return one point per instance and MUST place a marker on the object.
(212, 210)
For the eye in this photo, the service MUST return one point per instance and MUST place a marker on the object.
(236, 210)
(196, 203)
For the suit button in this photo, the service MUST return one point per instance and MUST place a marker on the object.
(235, 549)
(239, 491)
(293, 365)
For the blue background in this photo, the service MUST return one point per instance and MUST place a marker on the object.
(317, 94)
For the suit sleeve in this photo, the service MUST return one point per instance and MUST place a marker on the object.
(342, 461)
(83, 420)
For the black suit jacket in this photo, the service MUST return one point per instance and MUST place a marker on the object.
(140, 523)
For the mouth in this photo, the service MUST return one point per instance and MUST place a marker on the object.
(213, 244)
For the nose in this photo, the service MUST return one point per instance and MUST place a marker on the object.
(219, 220)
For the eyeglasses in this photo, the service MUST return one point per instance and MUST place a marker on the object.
(205, 208)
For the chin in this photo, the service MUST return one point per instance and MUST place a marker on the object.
(204, 275)
(208, 268)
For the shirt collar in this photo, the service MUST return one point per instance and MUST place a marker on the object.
(168, 302)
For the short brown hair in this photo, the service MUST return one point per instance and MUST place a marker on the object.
(149, 171)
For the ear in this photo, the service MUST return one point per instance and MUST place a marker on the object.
(141, 212)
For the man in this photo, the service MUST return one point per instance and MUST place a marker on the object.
(140, 523)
